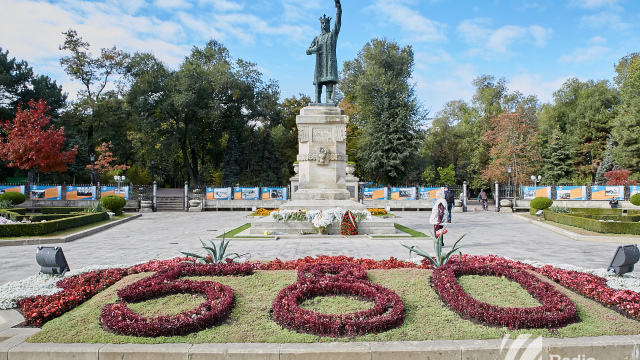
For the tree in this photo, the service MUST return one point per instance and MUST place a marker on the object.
(626, 125)
(607, 164)
(511, 142)
(559, 157)
(269, 167)
(231, 167)
(378, 84)
(19, 85)
(619, 177)
(105, 160)
(93, 73)
(32, 144)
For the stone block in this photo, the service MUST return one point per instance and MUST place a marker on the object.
(145, 352)
(594, 348)
(10, 318)
(500, 349)
(243, 351)
(51, 351)
(12, 337)
(422, 350)
(328, 351)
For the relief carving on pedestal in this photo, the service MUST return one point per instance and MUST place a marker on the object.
(303, 134)
(322, 157)
(341, 134)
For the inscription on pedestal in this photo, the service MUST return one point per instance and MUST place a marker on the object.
(341, 134)
(303, 134)
(321, 135)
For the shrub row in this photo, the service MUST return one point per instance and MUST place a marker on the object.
(583, 222)
(337, 279)
(42, 228)
(217, 305)
(592, 211)
(557, 309)
(61, 210)
(15, 214)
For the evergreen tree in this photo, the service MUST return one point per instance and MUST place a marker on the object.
(232, 164)
(627, 124)
(558, 160)
(607, 164)
(269, 166)
(378, 84)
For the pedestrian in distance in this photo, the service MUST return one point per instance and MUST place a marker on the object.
(484, 199)
(450, 198)
(438, 216)
(613, 202)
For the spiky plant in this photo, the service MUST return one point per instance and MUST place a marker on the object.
(440, 258)
(215, 254)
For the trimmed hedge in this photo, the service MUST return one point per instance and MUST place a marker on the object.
(61, 210)
(49, 217)
(42, 228)
(114, 203)
(15, 197)
(15, 214)
(541, 203)
(584, 221)
(635, 199)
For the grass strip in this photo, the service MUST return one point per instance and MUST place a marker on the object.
(235, 231)
(426, 317)
(70, 231)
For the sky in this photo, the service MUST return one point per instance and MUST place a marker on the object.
(535, 44)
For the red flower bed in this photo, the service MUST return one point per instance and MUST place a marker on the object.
(367, 264)
(337, 279)
(217, 305)
(557, 309)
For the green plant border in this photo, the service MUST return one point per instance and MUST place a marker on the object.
(236, 231)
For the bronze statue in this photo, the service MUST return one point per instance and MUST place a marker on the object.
(324, 46)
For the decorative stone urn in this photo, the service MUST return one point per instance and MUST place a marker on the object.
(505, 206)
(350, 169)
(146, 206)
(457, 206)
(296, 168)
(194, 205)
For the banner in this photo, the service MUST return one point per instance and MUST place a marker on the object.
(634, 189)
(11, 188)
(607, 192)
(274, 193)
(531, 192)
(41, 192)
(113, 190)
(403, 193)
(242, 193)
(426, 193)
(81, 192)
(219, 193)
(571, 193)
(374, 193)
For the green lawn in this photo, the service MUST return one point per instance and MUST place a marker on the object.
(427, 318)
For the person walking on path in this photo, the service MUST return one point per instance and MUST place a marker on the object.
(484, 199)
(438, 216)
(448, 196)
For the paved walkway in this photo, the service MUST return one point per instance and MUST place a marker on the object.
(164, 235)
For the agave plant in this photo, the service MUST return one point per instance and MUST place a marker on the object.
(215, 254)
(440, 258)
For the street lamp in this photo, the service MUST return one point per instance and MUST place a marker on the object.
(92, 158)
(152, 174)
(535, 180)
(509, 184)
(119, 179)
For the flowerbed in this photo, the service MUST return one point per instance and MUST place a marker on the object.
(337, 279)
(263, 212)
(218, 304)
(557, 309)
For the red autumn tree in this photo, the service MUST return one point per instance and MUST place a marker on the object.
(103, 163)
(619, 177)
(31, 143)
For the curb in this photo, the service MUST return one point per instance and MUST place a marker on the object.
(574, 236)
(68, 238)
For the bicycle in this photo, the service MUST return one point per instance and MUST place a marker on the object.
(485, 204)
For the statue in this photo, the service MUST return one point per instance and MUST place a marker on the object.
(324, 46)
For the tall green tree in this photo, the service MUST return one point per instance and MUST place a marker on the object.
(626, 126)
(557, 166)
(378, 83)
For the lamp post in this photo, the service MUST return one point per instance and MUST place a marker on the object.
(92, 158)
(535, 180)
(152, 174)
(509, 183)
(119, 179)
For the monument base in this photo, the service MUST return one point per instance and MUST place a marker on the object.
(322, 194)
(374, 226)
(322, 205)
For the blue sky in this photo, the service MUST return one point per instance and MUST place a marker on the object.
(535, 44)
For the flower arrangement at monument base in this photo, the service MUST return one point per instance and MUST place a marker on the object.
(348, 225)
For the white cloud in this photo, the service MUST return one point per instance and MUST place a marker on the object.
(533, 84)
(223, 5)
(439, 89)
(605, 20)
(418, 27)
(582, 55)
(172, 4)
(489, 43)
(598, 40)
(592, 4)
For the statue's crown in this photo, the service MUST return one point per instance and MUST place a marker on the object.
(324, 19)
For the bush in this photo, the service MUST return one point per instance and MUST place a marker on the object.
(114, 203)
(541, 203)
(635, 199)
(15, 197)
(559, 209)
(41, 228)
(60, 210)
(6, 204)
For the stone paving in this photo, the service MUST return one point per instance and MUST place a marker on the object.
(164, 235)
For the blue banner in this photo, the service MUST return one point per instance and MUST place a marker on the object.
(123, 191)
(219, 193)
(403, 193)
(571, 193)
(532, 192)
(243, 193)
(269, 193)
(41, 192)
(374, 193)
(426, 193)
(81, 192)
(12, 188)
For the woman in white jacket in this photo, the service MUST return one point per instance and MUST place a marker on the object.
(439, 214)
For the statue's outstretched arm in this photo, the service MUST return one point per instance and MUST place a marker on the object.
(336, 27)
(313, 48)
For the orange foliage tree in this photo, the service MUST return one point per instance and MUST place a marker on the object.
(31, 143)
(619, 177)
(511, 139)
(105, 159)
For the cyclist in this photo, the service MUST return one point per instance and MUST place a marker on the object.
(484, 199)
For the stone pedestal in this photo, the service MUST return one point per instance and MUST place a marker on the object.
(195, 206)
(146, 206)
(505, 206)
(457, 206)
(322, 157)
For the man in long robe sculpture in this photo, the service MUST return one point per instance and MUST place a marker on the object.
(324, 46)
